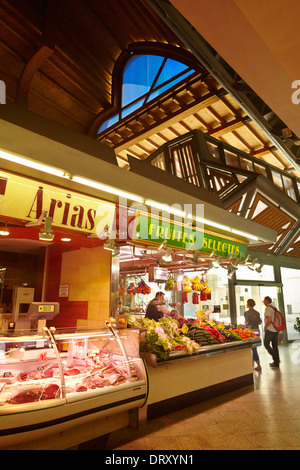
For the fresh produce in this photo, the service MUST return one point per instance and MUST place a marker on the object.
(184, 297)
(121, 290)
(186, 281)
(143, 288)
(187, 289)
(195, 298)
(170, 284)
(131, 289)
(162, 337)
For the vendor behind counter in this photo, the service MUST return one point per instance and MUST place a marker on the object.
(156, 308)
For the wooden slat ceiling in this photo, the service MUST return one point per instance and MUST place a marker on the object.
(57, 58)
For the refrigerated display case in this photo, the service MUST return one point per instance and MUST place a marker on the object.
(52, 381)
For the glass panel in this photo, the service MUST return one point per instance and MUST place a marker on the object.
(161, 90)
(170, 70)
(213, 150)
(97, 363)
(29, 374)
(132, 108)
(289, 187)
(218, 281)
(291, 281)
(277, 179)
(260, 169)
(231, 158)
(139, 74)
(257, 293)
(246, 164)
(110, 122)
(267, 273)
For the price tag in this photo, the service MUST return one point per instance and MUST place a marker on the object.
(6, 374)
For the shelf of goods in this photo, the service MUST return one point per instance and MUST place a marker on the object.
(193, 360)
(59, 386)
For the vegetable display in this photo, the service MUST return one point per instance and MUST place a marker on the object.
(167, 335)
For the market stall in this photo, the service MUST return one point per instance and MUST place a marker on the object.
(55, 386)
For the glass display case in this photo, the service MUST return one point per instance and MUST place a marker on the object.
(56, 368)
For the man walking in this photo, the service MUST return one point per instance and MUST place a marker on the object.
(271, 334)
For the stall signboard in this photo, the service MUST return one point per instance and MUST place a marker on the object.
(155, 230)
(26, 199)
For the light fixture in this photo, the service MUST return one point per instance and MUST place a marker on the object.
(46, 232)
(39, 221)
(165, 208)
(66, 239)
(244, 234)
(162, 245)
(216, 262)
(31, 164)
(235, 263)
(107, 189)
(167, 257)
(4, 232)
(259, 269)
(226, 228)
(252, 265)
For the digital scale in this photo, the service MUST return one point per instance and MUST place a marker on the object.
(37, 315)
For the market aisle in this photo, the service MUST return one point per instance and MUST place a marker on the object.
(266, 417)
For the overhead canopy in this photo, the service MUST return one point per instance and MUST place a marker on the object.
(29, 139)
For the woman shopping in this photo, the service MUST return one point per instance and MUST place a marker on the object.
(253, 320)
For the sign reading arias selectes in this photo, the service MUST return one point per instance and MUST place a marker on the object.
(154, 230)
(26, 199)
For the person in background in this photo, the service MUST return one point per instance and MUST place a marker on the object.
(155, 311)
(253, 320)
(271, 334)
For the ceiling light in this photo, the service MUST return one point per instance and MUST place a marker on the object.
(161, 246)
(107, 189)
(259, 268)
(31, 164)
(65, 239)
(46, 232)
(216, 262)
(165, 207)
(236, 263)
(244, 234)
(251, 266)
(167, 257)
(45, 236)
(4, 232)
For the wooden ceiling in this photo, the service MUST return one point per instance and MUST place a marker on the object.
(57, 58)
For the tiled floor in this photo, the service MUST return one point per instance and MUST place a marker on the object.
(266, 416)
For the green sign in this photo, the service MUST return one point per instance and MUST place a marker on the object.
(155, 230)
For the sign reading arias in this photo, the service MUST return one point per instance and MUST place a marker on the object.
(26, 199)
(154, 230)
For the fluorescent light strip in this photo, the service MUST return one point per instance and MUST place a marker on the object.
(31, 164)
(165, 207)
(244, 234)
(223, 227)
(107, 189)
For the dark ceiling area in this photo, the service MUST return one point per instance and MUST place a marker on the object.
(63, 60)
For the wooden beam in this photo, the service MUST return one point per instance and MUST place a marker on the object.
(40, 55)
(169, 122)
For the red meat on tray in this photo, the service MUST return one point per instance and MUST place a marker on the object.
(50, 392)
